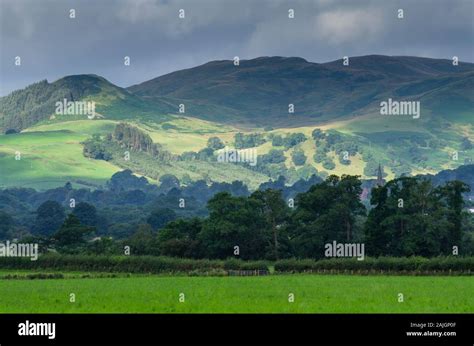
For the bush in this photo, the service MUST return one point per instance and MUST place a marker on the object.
(128, 264)
(277, 141)
(329, 164)
(298, 157)
(396, 264)
(293, 139)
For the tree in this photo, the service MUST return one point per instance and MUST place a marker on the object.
(180, 238)
(329, 164)
(276, 213)
(206, 154)
(234, 221)
(273, 156)
(160, 217)
(86, 213)
(168, 182)
(70, 237)
(215, 143)
(326, 212)
(143, 242)
(126, 180)
(333, 138)
(453, 193)
(318, 135)
(96, 149)
(277, 141)
(319, 156)
(293, 139)
(242, 141)
(298, 157)
(49, 217)
(102, 246)
(409, 218)
(6, 224)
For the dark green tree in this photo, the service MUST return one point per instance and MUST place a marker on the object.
(180, 238)
(276, 213)
(143, 241)
(326, 212)
(168, 182)
(49, 217)
(6, 224)
(277, 141)
(86, 213)
(409, 218)
(453, 193)
(70, 237)
(234, 221)
(160, 217)
(215, 143)
(318, 135)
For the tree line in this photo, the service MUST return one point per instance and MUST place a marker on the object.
(408, 216)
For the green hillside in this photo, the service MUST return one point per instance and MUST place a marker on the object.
(251, 101)
(258, 91)
(49, 159)
(36, 103)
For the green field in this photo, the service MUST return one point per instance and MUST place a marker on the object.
(49, 159)
(267, 294)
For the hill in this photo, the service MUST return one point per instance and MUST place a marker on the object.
(246, 107)
(35, 103)
(258, 91)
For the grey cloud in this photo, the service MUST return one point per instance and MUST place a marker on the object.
(52, 45)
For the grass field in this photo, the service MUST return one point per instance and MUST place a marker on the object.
(268, 294)
(49, 159)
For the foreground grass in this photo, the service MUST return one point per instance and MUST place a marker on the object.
(269, 294)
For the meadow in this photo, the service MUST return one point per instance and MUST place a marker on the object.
(264, 294)
(48, 159)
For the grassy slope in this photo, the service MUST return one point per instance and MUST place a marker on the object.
(313, 294)
(52, 153)
(48, 159)
(57, 149)
(384, 129)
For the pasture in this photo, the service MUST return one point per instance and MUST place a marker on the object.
(264, 294)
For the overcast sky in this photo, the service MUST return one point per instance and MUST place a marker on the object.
(52, 45)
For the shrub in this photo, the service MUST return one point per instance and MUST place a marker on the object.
(298, 157)
(396, 264)
(329, 164)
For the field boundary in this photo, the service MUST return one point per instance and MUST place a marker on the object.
(234, 267)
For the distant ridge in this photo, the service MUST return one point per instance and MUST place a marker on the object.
(258, 91)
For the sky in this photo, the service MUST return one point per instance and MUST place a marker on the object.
(52, 45)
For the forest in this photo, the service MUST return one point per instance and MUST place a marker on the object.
(408, 216)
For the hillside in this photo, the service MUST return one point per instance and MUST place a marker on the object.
(258, 91)
(35, 103)
(246, 107)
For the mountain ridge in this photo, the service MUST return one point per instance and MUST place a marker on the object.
(258, 92)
